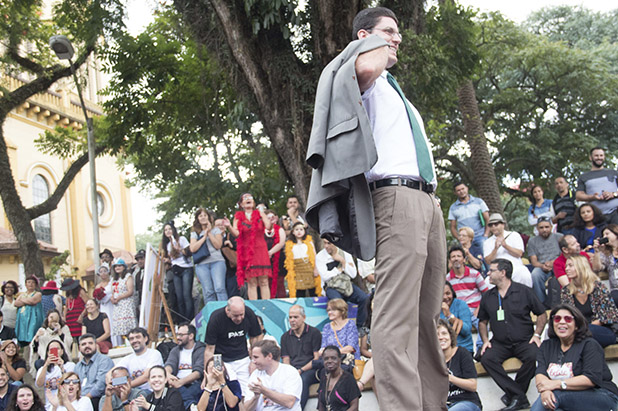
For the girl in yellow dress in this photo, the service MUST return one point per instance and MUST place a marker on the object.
(303, 277)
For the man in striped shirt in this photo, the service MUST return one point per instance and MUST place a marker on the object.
(468, 283)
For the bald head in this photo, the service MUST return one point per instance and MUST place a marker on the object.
(235, 309)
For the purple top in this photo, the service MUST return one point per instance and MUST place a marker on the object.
(348, 335)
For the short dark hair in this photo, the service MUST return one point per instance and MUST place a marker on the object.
(159, 367)
(10, 282)
(332, 348)
(597, 148)
(86, 336)
(456, 248)
(140, 330)
(457, 183)
(504, 264)
(124, 369)
(562, 243)
(581, 326)
(368, 18)
(190, 328)
(268, 347)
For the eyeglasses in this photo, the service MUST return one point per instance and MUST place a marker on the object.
(567, 318)
(389, 32)
(67, 382)
(181, 334)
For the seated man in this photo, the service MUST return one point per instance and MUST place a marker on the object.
(92, 369)
(185, 365)
(506, 307)
(6, 389)
(118, 391)
(273, 386)
(543, 249)
(508, 245)
(299, 347)
(142, 359)
(569, 247)
(331, 261)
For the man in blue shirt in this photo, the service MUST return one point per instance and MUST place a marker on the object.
(467, 212)
(5, 389)
(92, 369)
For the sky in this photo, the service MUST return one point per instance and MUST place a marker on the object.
(139, 15)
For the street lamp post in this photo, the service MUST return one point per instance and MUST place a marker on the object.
(64, 50)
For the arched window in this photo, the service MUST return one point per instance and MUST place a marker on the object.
(40, 193)
(100, 204)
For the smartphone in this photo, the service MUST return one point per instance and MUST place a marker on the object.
(119, 381)
(217, 362)
(53, 351)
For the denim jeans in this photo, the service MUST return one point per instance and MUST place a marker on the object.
(539, 278)
(464, 406)
(592, 399)
(183, 285)
(479, 340)
(212, 278)
(358, 297)
(190, 394)
(604, 335)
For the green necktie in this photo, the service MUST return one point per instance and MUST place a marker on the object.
(422, 151)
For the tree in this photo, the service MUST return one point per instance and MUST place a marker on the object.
(26, 50)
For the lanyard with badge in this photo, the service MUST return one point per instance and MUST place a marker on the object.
(500, 312)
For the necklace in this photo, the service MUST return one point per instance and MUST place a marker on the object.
(329, 394)
(70, 304)
(269, 233)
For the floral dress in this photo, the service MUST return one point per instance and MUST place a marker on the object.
(124, 311)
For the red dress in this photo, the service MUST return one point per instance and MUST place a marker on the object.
(252, 252)
(75, 306)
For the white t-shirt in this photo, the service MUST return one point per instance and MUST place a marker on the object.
(185, 362)
(520, 271)
(180, 261)
(52, 377)
(83, 404)
(323, 258)
(285, 380)
(139, 364)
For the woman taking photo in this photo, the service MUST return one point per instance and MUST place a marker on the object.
(14, 364)
(606, 257)
(97, 323)
(338, 390)
(253, 263)
(25, 398)
(162, 397)
(68, 396)
(303, 277)
(588, 224)
(122, 299)
(55, 365)
(540, 207)
(53, 328)
(29, 312)
(462, 395)
(457, 314)
(210, 268)
(589, 295)
(571, 371)
(103, 294)
(214, 396)
(7, 300)
(340, 331)
(176, 252)
(76, 304)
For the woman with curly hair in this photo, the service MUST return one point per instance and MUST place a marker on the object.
(7, 302)
(25, 398)
(253, 263)
(588, 225)
(303, 276)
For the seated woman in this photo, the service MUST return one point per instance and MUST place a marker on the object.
(15, 365)
(68, 396)
(56, 364)
(473, 254)
(606, 257)
(457, 314)
(162, 397)
(340, 331)
(589, 295)
(338, 390)
(25, 398)
(214, 396)
(97, 323)
(53, 328)
(462, 375)
(588, 225)
(571, 371)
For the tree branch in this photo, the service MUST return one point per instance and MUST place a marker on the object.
(25, 63)
(52, 202)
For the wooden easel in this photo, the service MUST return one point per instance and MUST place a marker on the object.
(157, 299)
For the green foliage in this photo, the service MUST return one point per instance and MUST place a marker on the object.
(142, 239)
(59, 266)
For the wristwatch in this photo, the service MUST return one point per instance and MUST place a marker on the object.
(451, 316)
(615, 194)
(563, 385)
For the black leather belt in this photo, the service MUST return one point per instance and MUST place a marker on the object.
(403, 182)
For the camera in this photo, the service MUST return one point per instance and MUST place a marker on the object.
(603, 240)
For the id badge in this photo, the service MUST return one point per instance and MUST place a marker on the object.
(500, 315)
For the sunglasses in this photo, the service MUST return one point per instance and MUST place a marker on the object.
(66, 382)
(567, 318)
(493, 224)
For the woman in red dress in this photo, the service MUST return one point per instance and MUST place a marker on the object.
(253, 263)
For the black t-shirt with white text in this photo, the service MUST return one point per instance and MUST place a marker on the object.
(229, 338)
(461, 365)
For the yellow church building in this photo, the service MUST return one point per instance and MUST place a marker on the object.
(37, 174)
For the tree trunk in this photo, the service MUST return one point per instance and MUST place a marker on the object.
(485, 181)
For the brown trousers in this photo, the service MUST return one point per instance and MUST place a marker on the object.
(410, 271)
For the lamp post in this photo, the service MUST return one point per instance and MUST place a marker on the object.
(64, 51)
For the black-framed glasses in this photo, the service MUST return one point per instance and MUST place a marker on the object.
(567, 318)
(67, 382)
